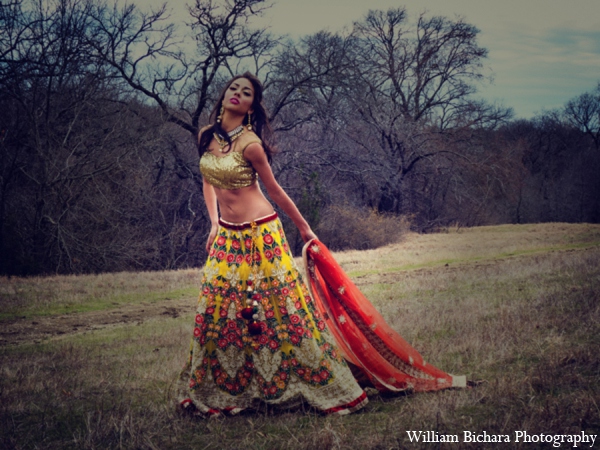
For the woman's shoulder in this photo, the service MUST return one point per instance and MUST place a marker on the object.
(249, 137)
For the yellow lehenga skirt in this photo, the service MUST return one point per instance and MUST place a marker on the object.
(292, 359)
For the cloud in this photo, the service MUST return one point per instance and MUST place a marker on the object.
(539, 69)
(541, 52)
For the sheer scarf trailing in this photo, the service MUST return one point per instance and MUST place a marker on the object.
(365, 339)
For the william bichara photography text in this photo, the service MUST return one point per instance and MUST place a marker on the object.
(556, 440)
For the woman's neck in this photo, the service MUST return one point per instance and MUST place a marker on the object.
(230, 122)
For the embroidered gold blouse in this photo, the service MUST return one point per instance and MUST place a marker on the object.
(232, 170)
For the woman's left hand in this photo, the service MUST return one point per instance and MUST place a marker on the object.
(307, 235)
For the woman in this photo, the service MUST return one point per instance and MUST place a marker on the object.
(258, 337)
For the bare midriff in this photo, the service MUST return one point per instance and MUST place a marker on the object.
(243, 205)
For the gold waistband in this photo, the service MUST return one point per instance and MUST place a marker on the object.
(244, 225)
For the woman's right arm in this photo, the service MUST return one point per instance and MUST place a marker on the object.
(255, 153)
(210, 198)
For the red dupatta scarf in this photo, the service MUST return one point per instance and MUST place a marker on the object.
(362, 334)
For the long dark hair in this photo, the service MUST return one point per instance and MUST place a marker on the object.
(260, 118)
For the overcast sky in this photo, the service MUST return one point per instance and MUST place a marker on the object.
(541, 52)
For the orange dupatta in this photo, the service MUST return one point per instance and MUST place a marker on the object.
(362, 335)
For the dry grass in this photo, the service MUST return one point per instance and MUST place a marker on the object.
(518, 306)
(42, 296)
(470, 245)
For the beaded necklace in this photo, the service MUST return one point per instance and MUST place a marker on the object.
(233, 135)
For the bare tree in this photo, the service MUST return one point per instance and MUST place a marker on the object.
(148, 54)
(413, 83)
(561, 182)
(77, 155)
(583, 112)
(98, 104)
(426, 71)
(43, 57)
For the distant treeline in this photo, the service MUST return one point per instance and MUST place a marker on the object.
(376, 127)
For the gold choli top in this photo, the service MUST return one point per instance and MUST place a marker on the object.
(232, 170)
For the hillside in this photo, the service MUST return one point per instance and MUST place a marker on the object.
(90, 361)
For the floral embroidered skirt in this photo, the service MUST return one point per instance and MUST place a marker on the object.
(292, 358)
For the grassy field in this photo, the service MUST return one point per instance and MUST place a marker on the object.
(516, 306)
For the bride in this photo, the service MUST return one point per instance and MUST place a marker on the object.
(261, 334)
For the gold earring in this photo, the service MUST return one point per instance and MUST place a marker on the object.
(220, 116)
(249, 121)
